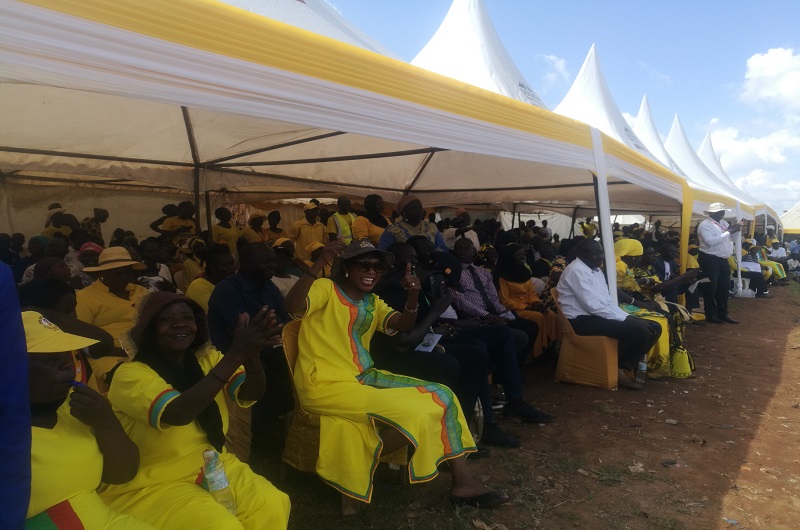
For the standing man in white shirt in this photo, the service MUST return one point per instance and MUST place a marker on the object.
(715, 247)
(461, 228)
(584, 299)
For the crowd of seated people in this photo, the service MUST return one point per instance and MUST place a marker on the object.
(440, 317)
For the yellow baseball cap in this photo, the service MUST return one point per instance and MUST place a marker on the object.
(43, 336)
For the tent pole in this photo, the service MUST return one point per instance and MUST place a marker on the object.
(604, 211)
(208, 213)
(574, 218)
(196, 173)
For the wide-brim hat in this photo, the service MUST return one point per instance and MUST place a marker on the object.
(716, 207)
(114, 258)
(42, 336)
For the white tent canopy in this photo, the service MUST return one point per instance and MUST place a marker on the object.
(589, 100)
(230, 102)
(681, 151)
(467, 47)
(317, 16)
(645, 128)
(791, 221)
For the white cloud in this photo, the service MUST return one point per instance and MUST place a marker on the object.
(773, 78)
(556, 74)
(762, 155)
(655, 74)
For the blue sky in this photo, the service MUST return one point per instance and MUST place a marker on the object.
(732, 67)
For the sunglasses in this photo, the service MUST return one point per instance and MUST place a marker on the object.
(365, 265)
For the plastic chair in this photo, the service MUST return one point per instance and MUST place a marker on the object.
(589, 360)
(302, 440)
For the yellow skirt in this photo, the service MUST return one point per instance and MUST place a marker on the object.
(353, 413)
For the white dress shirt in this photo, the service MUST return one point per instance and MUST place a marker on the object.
(715, 238)
(583, 291)
(450, 238)
(777, 253)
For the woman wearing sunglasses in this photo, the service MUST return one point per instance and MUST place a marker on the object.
(366, 412)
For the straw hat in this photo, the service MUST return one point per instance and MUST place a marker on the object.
(43, 336)
(716, 207)
(114, 258)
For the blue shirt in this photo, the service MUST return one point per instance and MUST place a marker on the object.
(235, 295)
(15, 412)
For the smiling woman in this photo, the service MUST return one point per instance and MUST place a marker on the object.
(365, 411)
(170, 400)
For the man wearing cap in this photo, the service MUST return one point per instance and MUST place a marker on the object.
(92, 225)
(340, 223)
(306, 231)
(413, 224)
(461, 228)
(715, 247)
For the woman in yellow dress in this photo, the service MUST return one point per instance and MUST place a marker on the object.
(364, 411)
(517, 292)
(629, 254)
(170, 400)
(76, 441)
(224, 231)
(372, 224)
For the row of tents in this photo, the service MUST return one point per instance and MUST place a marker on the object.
(134, 104)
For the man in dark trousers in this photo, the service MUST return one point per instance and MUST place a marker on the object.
(715, 247)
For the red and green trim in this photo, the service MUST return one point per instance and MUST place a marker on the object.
(59, 517)
(234, 384)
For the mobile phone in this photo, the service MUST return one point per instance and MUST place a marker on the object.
(413, 269)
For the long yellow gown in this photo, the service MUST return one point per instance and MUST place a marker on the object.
(166, 492)
(335, 378)
(518, 296)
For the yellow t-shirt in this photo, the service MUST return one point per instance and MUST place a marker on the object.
(173, 223)
(97, 306)
(362, 228)
(691, 262)
(270, 235)
(200, 291)
(66, 469)
(167, 453)
(304, 233)
(51, 231)
(191, 271)
(227, 236)
(251, 236)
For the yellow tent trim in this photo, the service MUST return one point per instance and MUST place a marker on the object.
(225, 30)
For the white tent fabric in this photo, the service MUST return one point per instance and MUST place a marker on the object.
(645, 128)
(467, 47)
(679, 148)
(791, 220)
(317, 16)
(232, 101)
(589, 100)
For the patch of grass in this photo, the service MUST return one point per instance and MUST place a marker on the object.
(664, 523)
(609, 410)
(612, 475)
(568, 464)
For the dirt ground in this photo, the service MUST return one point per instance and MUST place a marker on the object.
(617, 460)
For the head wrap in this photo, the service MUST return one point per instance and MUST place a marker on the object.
(90, 247)
(404, 201)
(98, 211)
(628, 247)
(44, 266)
(509, 268)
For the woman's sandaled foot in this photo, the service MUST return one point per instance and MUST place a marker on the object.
(488, 499)
(350, 506)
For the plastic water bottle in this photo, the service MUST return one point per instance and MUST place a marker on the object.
(217, 481)
(641, 371)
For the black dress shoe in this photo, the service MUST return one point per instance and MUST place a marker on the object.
(729, 320)
(493, 435)
(715, 320)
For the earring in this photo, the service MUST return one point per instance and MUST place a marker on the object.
(346, 274)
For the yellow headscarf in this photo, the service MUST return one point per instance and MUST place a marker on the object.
(627, 247)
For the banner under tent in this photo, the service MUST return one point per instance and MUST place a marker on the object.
(230, 103)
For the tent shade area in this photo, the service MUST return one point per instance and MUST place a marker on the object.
(268, 110)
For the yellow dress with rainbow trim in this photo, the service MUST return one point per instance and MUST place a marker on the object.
(167, 491)
(335, 378)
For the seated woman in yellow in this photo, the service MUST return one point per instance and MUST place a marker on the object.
(193, 263)
(517, 292)
(629, 254)
(109, 303)
(76, 441)
(170, 400)
(372, 224)
(364, 411)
